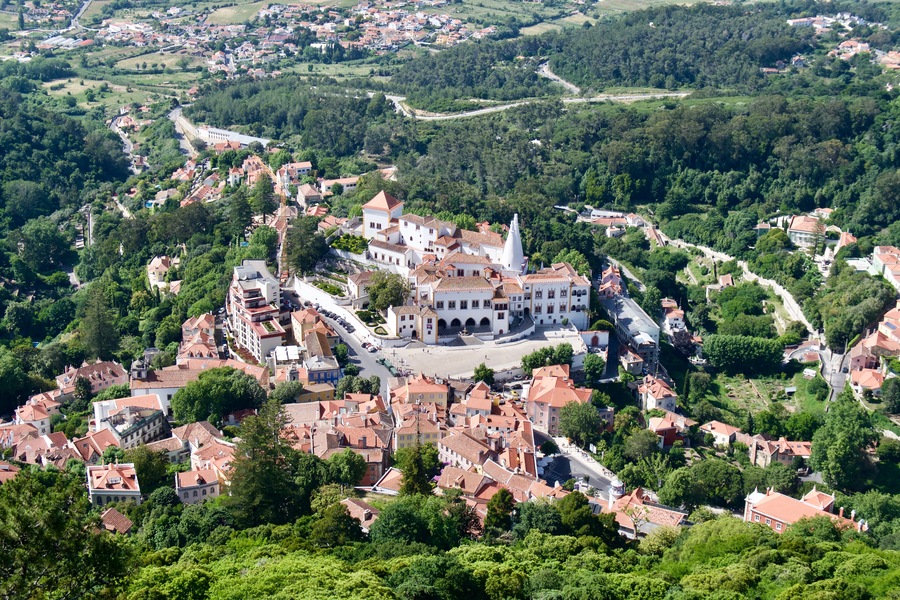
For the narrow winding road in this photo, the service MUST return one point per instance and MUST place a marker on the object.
(402, 107)
(545, 71)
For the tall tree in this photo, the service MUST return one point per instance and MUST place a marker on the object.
(51, 545)
(98, 325)
(305, 245)
(839, 446)
(416, 479)
(499, 511)
(216, 393)
(262, 201)
(387, 289)
(580, 422)
(594, 367)
(263, 484)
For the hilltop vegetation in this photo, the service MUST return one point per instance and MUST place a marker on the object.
(548, 551)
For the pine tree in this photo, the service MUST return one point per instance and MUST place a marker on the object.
(415, 475)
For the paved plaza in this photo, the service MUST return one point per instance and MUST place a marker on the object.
(459, 361)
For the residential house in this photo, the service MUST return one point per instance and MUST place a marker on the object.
(670, 428)
(320, 364)
(7, 471)
(304, 322)
(101, 375)
(723, 434)
(115, 522)
(778, 511)
(551, 390)
(362, 511)
(460, 449)
(655, 393)
(866, 381)
(135, 426)
(113, 483)
(196, 486)
(764, 452)
(637, 515)
(158, 270)
(33, 415)
(805, 231)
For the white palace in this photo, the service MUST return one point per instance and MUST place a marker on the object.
(461, 279)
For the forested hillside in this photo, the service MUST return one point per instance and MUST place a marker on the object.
(420, 547)
(703, 46)
(327, 118)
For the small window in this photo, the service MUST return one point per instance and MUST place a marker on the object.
(475, 303)
(777, 526)
(768, 521)
(756, 518)
(463, 304)
(451, 304)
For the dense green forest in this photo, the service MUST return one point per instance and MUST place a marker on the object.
(324, 117)
(665, 47)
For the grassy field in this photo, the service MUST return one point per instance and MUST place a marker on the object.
(337, 70)
(480, 13)
(614, 7)
(95, 8)
(9, 21)
(111, 100)
(233, 15)
(169, 60)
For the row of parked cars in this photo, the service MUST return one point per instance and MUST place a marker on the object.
(337, 319)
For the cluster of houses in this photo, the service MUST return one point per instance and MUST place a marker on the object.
(485, 440)
(870, 358)
(637, 331)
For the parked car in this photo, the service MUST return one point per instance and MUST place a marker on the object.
(372, 349)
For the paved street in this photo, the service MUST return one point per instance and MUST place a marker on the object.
(572, 466)
(358, 355)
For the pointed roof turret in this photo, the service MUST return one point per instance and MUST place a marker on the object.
(513, 258)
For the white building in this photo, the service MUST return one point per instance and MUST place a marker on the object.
(113, 483)
(196, 485)
(253, 303)
(466, 279)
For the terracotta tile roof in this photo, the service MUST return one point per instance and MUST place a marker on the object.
(194, 478)
(459, 258)
(121, 477)
(556, 392)
(790, 510)
(466, 446)
(115, 522)
(463, 283)
(92, 445)
(869, 379)
(803, 224)
(30, 413)
(362, 511)
(388, 246)
(469, 482)
(391, 480)
(475, 238)
(719, 427)
(7, 471)
(382, 201)
(361, 279)
(551, 371)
